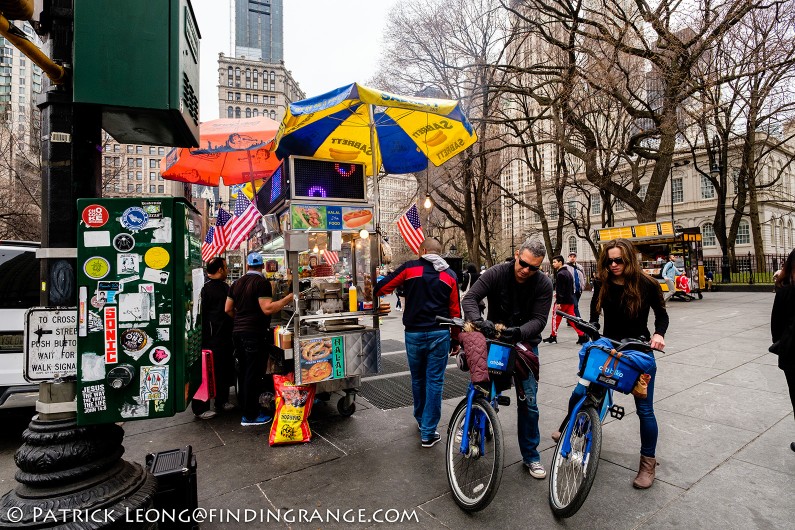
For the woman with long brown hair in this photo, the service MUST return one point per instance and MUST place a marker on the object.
(625, 297)
(782, 327)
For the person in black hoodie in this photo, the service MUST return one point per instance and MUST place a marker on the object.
(782, 324)
(565, 300)
(431, 289)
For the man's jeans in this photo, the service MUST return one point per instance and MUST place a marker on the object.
(527, 420)
(427, 352)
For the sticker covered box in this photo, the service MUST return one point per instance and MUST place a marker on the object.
(139, 328)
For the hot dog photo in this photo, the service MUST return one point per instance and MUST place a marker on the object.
(356, 217)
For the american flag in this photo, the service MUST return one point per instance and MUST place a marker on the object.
(330, 256)
(210, 248)
(221, 219)
(246, 217)
(411, 229)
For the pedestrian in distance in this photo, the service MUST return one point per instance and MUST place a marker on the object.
(250, 304)
(217, 337)
(625, 297)
(579, 280)
(519, 297)
(431, 289)
(669, 274)
(564, 300)
(782, 324)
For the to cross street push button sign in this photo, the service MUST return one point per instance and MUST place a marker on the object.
(50, 343)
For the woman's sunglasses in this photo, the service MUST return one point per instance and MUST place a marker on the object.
(524, 265)
(617, 261)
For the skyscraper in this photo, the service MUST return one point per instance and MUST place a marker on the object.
(259, 30)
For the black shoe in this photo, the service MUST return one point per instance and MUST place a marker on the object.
(582, 340)
(551, 339)
(436, 438)
(792, 446)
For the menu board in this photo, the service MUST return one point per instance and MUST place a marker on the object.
(330, 217)
(321, 359)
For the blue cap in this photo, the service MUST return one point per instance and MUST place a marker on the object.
(254, 259)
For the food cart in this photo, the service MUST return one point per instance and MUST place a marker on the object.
(322, 245)
(656, 241)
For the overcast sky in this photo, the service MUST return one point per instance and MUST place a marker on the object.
(327, 43)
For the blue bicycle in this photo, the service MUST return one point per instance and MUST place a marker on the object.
(474, 454)
(576, 456)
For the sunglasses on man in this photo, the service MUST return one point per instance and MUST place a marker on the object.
(524, 265)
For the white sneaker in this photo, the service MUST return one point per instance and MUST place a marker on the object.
(536, 470)
(206, 415)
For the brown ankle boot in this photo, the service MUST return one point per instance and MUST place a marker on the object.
(646, 471)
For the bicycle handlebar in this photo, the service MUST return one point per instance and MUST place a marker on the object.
(444, 321)
(591, 330)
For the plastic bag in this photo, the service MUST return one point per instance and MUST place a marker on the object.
(293, 405)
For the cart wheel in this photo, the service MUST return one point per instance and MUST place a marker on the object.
(700, 296)
(346, 410)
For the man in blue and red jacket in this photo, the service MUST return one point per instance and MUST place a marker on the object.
(431, 289)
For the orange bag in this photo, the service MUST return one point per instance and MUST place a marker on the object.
(293, 405)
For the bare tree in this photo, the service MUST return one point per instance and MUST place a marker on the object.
(20, 173)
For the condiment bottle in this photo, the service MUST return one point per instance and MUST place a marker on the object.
(352, 302)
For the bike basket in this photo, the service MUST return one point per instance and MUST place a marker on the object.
(501, 358)
(610, 369)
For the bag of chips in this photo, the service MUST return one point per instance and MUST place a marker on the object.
(293, 405)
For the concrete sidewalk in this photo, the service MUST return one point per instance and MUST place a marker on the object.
(724, 416)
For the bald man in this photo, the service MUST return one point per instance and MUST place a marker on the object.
(431, 289)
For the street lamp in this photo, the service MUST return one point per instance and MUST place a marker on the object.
(714, 170)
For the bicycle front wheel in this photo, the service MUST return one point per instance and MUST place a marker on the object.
(571, 477)
(474, 474)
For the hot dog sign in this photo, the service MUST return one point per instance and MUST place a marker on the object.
(325, 217)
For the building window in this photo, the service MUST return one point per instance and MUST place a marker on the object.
(152, 188)
(130, 187)
(153, 163)
(152, 150)
(139, 149)
(161, 151)
(248, 98)
(237, 112)
(139, 175)
(707, 189)
(130, 148)
(237, 72)
(708, 235)
(256, 98)
(273, 115)
(644, 188)
(596, 204)
(130, 175)
(160, 188)
(248, 73)
(139, 162)
(255, 113)
(138, 188)
(677, 191)
(553, 210)
(230, 112)
(536, 217)
(743, 234)
(256, 73)
(159, 176)
(237, 96)
(572, 207)
(273, 100)
(248, 113)
(152, 175)
(230, 96)
(572, 244)
(620, 206)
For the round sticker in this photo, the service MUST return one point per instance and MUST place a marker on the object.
(159, 355)
(96, 267)
(96, 302)
(134, 218)
(156, 257)
(133, 340)
(123, 242)
(95, 216)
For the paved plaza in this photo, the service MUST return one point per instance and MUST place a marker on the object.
(724, 416)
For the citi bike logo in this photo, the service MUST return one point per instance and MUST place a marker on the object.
(618, 374)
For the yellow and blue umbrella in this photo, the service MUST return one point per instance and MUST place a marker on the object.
(402, 135)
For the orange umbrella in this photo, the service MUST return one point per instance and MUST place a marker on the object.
(237, 150)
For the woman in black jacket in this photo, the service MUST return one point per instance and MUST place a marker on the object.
(782, 327)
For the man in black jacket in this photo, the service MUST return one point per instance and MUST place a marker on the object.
(431, 289)
(565, 300)
(519, 298)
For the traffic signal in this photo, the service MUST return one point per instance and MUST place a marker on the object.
(17, 9)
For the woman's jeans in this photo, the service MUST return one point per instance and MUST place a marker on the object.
(427, 352)
(645, 411)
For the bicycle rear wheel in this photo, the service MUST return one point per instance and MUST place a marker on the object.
(474, 475)
(571, 478)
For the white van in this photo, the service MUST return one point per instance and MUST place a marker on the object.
(19, 290)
